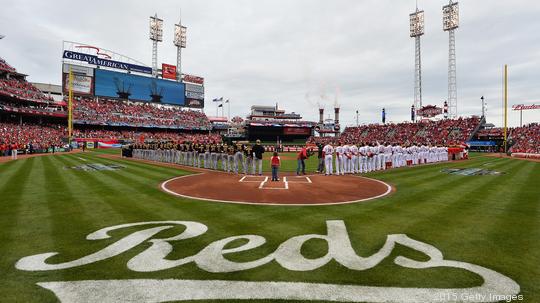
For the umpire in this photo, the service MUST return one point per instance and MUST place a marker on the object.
(258, 150)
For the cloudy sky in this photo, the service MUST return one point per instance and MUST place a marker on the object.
(300, 53)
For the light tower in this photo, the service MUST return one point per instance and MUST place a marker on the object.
(156, 35)
(179, 42)
(416, 31)
(450, 24)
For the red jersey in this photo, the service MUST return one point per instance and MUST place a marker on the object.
(275, 161)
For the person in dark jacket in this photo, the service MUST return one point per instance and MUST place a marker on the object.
(258, 151)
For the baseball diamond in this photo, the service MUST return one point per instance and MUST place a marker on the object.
(269, 151)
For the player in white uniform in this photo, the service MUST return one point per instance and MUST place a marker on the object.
(387, 155)
(339, 159)
(328, 151)
(354, 160)
(380, 157)
(347, 157)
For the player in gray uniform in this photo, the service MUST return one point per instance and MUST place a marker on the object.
(248, 160)
(214, 155)
(238, 157)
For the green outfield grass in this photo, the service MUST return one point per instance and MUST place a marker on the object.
(491, 221)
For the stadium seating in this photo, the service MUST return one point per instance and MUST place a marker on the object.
(146, 135)
(444, 133)
(526, 139)
(20, 89)
(124, 113)
(39, 135)
(4, 66)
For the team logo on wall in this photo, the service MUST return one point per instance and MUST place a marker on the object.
(213, 259)
(429, 111)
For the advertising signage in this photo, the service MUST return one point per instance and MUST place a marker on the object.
(168, 71)
(95, 60)
(140, 88)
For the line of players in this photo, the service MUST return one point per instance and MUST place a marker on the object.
(351, 159)
(232, 158)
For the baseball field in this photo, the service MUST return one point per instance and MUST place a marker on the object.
(482, 215)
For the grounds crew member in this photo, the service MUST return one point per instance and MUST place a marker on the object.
(258, 151)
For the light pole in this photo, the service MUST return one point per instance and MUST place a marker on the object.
(156, 35)
(228, 110)
(416, 31)
(356, 118)
(179, 42)
(483, 107)
(450, 24)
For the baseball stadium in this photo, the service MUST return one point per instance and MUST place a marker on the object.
(129, 180)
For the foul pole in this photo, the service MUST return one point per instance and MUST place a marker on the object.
(70, 106)
(505, 108)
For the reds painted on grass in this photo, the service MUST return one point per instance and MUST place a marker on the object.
(288, 255)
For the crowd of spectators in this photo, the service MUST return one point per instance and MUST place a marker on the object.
(35, 107)
(446, 132)
(526, 139)
(21, 89)
(126, 113)
(144, 135)
(39, 135)
(4, 66)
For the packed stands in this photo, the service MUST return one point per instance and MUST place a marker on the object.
(39, 135)
(4, 66)
(21, 89)
(443, 133)
(132, 135)
(526, 139)
(102, 111)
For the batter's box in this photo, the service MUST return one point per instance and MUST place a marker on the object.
(297, 179)
(274, 185)
(252, 179)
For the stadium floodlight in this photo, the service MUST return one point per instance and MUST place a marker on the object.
(156, 29)
(417, 23)
(180, 35)
(156, 35)
(451, 16)
(416, 31)
(450, 24)
(179, 42)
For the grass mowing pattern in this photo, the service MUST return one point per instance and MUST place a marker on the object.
(492, 221)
